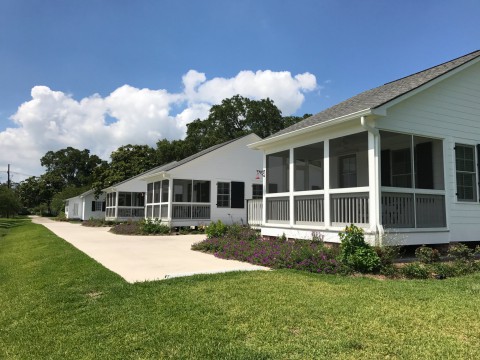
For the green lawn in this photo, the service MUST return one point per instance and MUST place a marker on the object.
(57, 303)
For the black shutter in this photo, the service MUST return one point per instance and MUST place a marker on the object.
(424, 166)
(385, 168)
(104, 206)
(237, 195)
(478, 168)
(93, 205)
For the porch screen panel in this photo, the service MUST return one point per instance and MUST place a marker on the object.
(165, 186)
(349, 161)
(156, 191)
(149, 193)
(182, 190)
(278, 172)
(429, 168)
(396, 159)
(238, 195)
(201, 191)
(309, 167)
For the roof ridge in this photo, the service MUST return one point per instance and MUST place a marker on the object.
(435, 66)
(379, 96)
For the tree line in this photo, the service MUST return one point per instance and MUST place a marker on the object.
(70, 172)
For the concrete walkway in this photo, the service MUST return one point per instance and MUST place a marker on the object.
(143, 258)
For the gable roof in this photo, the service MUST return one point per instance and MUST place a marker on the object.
(375, 98)
(174, 164)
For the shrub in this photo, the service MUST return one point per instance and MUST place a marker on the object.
(427, 255)
(415, 270)
(216, 229)
(127, 228)
(355, 253)
(461, 252)
(155, 226)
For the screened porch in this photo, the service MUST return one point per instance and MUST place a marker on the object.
(391, 179)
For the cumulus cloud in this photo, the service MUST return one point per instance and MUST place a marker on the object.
(52, 120)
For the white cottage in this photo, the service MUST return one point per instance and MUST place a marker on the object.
(125, 200)
(85, 206)
(400, 159)
(208, 186)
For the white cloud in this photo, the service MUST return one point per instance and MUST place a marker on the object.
(52, 120)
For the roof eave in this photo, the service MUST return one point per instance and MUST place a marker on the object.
(162, 174)
(260, 145)
(384, 107)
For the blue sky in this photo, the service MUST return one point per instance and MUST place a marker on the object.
(80, 68)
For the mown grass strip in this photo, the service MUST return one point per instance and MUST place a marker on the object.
(57, 303)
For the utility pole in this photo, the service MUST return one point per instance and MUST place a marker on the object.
(8, 176)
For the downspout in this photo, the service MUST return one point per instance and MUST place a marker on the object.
(376, 134)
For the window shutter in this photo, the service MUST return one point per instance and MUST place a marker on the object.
(478, 167)
(237, 195)
(104, 206)
(93, 205)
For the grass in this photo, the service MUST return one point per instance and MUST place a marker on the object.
(57, 303)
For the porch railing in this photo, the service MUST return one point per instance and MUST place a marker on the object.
(408, 210)
(309, 209)
(431, 211)
(349, 208)
(254, 212)
(190, 211)
(130, 212)
(278, 210)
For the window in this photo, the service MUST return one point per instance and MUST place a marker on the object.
(348, 171)
(308, 167)
(97, 206)
(231, 195)
(223, 194)
(257, 191)
(466, 174)
(278, 172)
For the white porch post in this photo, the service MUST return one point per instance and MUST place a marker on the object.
(264, 184)
(373, 180)
(116, 204)
(326, 183)
(170, 199)
(291, 177)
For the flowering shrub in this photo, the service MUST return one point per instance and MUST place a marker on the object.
(245, 244)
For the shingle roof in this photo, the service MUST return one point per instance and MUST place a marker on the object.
(381, 95)
(174, 164)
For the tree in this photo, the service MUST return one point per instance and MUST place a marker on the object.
(233, 118)
(58, 200)
(126, 162)
(69, 167)
(9, 202)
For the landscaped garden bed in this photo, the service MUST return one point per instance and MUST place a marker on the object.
(353, 256)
